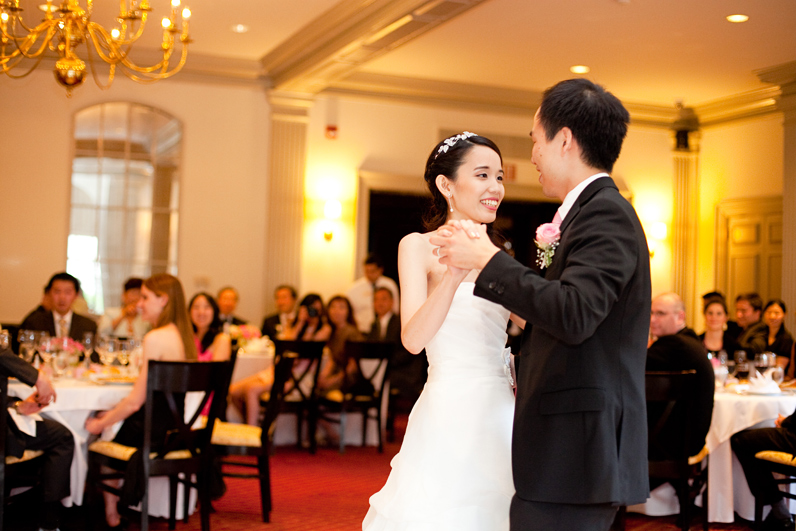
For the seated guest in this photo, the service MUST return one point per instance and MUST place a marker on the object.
(761, 482)
(52, 438)
(339, 371)
(408, 372)
(676, 348)
(162, 305)
(227, 302)
(285, 299)
(61, 321)
(716, 336)
(212, 344)
(125, 321)
(732, 328)
(748, 311)
(778, 339)
(310, 325)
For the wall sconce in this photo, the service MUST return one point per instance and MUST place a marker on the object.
(332, 210)
(656, 232)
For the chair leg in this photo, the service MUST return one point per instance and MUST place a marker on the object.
(264, 469)
(203, 488)
(173, 484)
(186, 498)
(758, 515)
(343, 419)
(685, 504)
(378, 430)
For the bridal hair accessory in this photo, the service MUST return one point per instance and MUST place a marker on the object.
(449, 142)
(547, 237)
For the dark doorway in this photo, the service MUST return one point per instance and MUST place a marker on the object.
(394, 215)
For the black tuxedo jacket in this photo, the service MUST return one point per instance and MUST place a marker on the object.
(393, 334)
(580, 429)
(13, 365)
(270, 325)
(44, 321)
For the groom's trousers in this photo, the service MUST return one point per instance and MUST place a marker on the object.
(540, 516)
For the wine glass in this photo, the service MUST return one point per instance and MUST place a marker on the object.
(123, 354)
(88, 346)
(27, 349)
(45, 347)
(4, 339)
(107, 347)
(60, 361)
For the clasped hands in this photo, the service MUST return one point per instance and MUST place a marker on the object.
(463, 244)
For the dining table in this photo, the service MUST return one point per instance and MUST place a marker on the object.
(728, 491)
(79, 398)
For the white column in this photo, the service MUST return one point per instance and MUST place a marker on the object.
(289, 119)
(686, 216)
(787, 103)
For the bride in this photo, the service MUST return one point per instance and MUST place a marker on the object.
(454, 468)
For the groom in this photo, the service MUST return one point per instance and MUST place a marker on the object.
(579, 447)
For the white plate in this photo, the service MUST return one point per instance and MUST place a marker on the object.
(763, 393)
(112, 379)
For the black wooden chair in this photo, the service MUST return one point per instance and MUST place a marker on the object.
(673, 463)
(365, 396)
(301, 387)
(256, 440)
(15, 472)
(186, 451)
(782, 463)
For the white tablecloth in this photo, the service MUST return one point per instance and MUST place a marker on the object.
(77, 399)
(728, 491)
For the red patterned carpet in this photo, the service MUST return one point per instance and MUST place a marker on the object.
(324, 492)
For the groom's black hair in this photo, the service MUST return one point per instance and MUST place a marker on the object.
(597, 119)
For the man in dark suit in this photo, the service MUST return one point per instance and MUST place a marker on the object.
(579, 446)
(51, 437)
(285, 298)
(677, 348)
(227, 300)
(61, 321)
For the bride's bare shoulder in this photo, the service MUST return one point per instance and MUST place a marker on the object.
(415, 241)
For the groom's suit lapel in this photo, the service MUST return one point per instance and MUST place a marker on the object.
(584, 197)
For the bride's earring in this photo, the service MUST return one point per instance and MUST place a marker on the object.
(450, 202)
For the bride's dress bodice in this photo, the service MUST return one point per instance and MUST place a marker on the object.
(470, 342)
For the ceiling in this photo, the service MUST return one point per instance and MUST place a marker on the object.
(651, 52)
(646, 51)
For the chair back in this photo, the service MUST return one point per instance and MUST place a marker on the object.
(664, 390)
(172, 380)
(302, 381)
(283, 369)
(373, 361)
(3, 431)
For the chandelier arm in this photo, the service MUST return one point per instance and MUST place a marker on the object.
(7, 71)
(29, 40)
(115, 55)
(151, 78)
(94, 70)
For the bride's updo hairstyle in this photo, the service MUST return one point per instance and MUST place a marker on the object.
(445, 159)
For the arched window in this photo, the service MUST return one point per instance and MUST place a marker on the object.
(125, 198)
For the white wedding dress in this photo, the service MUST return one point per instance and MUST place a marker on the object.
(454, 468)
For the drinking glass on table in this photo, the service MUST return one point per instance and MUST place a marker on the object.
(4, 339)
(45, 347)
(107, 348)
(123, 354)
(88, 346)
(27, 347)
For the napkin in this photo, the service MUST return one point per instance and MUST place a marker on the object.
(25, 423)
(259, 345)
(763, 385)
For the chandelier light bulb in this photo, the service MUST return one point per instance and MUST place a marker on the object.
(175, 3)
(186, 13)
(115, 33)
(165, 22)
(4, 17)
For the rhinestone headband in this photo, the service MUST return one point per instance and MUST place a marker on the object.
(449, 142)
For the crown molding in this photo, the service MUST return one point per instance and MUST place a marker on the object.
(349, 35)
(750, 104)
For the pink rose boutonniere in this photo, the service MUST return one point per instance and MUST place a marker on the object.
(547, 236)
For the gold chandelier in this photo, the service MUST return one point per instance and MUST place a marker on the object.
(68, 26)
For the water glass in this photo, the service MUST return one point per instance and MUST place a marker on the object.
(4, 339)
(107, 348)
(123, 354)
(88, 346)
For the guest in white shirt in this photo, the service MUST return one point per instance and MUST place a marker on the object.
(362, 290)
(126, 320)
(285, 298)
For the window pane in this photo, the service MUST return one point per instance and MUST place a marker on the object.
(83, 221)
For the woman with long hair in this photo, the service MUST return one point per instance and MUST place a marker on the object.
(162, 304)
(778, 339)
(715, 337)
(212, 344)
(454, 467)
(337, 368)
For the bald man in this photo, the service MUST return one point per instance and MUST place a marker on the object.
(675, 347)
